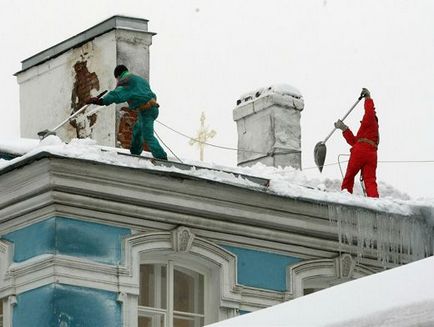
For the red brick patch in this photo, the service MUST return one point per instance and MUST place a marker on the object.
(84, 83)
(125, 132)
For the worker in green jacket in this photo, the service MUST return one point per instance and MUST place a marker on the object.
(136, 91)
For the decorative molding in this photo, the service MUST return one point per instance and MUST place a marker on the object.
(12, 300)
(253, 299)
(181, 245)
(182, 239)
(198, 249)
(232, 295)
(48, 268)
(346, 265)
(6, 252)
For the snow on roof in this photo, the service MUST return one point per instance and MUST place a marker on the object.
(18, 146)
(287, 181)
(398, 297)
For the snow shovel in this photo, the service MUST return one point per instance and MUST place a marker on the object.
(320, 148)
(46, 132)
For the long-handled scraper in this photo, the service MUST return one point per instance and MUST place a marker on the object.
(320, 150)
(43, 134)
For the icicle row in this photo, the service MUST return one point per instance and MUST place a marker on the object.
(392, 238)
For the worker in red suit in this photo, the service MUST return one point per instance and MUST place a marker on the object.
(363, 149)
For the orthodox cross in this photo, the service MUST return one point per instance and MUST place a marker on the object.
(203, 135)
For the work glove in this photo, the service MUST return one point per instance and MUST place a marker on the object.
(95, 100)
(365, 93)
(340, 125)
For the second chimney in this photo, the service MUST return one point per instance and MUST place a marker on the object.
(268, 123)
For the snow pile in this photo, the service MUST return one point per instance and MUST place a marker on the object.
(399, 297)
(294, 183)
(88, 149)
(285, 90)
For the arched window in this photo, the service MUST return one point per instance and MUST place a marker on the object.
(314, 275)
(183, 280)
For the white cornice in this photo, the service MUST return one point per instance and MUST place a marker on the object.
(143, 200)
(48, 268)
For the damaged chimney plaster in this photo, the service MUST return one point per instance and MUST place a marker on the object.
(56, 82)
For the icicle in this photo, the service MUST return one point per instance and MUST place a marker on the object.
(391, 238)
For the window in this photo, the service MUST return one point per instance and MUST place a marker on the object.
(184, 280)
(1, 313)
(318, 283)
(311, 276)
(171, 296)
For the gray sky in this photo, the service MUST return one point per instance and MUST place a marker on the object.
(207, 53)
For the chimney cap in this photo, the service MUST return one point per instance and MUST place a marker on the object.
(114, 22)
(280, 89)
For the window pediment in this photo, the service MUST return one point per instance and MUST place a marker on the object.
(313, 275)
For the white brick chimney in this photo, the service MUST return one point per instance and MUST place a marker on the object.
(268, 123)
(55, 82)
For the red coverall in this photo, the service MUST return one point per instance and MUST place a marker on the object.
(363, 152)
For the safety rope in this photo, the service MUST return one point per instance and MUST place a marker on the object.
(158, 136)
(339, 163)
(210, 144)
(268, 153)
(362, 184)
(380, 161)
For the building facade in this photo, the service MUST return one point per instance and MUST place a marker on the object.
(85, 243)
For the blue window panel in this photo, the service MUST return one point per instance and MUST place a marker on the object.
(63, 305)
(98, 242)
(34, 308)
(79, 306)
(243, 312)
(33, 240)
(93, 241)
(261, 269)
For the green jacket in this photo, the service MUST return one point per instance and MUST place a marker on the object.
(132, 89)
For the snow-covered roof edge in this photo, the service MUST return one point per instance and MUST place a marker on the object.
(285, 182)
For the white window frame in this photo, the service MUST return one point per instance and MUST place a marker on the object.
(7, 304)
(144, 311)
(172, 265)
(9, 300)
